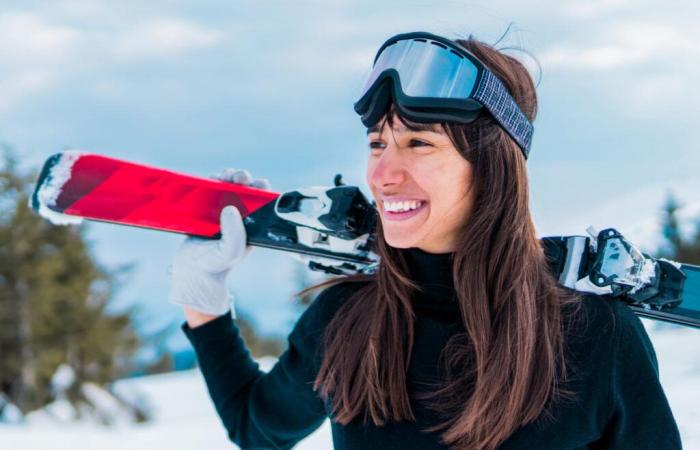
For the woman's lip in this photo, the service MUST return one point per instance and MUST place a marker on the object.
(404, 215)
(402, 199)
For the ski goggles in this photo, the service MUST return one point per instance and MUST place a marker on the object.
(433, 79)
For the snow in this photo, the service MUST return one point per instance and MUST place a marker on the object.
(9, 413)
(678, 353)
(98, 406)
(51, 188)
(675, 264)
(184, 418)
(58, 218)
(62, 379)
(59, 411)
(646, 274)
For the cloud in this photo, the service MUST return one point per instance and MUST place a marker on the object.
(29, 38)
(652, 65)
(41, 51)
(35, 54)
(585, 9)
(605, 57)
(657, 91)
(625, 45)
(165, 37)
(17, 86)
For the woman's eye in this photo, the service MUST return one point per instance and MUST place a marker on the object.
(418, 143)
(376, 145)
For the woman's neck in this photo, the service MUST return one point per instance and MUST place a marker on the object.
(433, 273)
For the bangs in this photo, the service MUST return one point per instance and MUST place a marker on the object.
(393, 114)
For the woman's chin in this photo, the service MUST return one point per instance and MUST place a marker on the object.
(398, 241)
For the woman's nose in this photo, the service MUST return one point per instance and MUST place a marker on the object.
(389, 168)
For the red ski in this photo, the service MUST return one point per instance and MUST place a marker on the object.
(100, 188)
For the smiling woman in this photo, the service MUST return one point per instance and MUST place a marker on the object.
(462, 339)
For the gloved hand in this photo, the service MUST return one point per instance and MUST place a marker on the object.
(200, 266)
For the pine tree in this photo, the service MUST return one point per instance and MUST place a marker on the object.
(679, 247)
(53, 300)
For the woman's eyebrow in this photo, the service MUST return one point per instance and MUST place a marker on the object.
(429, 127)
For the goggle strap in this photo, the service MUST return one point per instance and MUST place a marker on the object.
(494, 96)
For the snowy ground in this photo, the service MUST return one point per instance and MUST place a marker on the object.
(185, 419)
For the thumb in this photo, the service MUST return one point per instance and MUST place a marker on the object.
(233, 235)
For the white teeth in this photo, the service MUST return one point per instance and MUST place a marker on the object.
(401, 206)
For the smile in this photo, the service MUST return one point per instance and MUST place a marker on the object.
(403, 210)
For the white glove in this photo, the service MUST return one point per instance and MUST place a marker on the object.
(241, 177)
(200, 266)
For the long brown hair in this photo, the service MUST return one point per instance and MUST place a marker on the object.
(508, 365)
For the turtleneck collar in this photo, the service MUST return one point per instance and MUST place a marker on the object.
(433, 272)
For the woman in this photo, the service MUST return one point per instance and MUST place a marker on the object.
(462, 339)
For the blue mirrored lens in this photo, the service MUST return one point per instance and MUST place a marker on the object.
(426, 70)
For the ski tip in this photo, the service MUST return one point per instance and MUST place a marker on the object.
(44, 177)
(53, 176)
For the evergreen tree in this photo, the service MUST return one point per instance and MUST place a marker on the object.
(679, 247)
(53, 300)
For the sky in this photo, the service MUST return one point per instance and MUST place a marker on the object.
(197, 86)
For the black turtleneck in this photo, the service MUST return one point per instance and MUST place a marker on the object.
(433, 273)
(620, 404)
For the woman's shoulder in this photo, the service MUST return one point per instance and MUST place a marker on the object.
(324, 306)
(334, 296)
(605, 324)
(607, 314)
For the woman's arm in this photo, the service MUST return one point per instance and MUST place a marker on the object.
(259, 410)
(262, 410)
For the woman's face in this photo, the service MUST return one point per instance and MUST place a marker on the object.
(421, 185)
